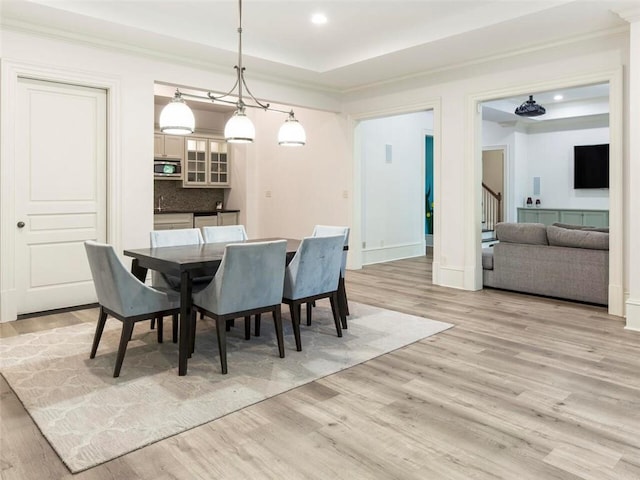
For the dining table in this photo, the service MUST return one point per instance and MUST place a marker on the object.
(189, 262)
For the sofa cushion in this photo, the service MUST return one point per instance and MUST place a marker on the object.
(565, 237)
(528, 233)
(597, 229)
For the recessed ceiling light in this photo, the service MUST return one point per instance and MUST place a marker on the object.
(319, 18)
(558, 97)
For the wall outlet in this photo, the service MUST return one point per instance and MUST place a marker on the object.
(267, 194)
(345, 194)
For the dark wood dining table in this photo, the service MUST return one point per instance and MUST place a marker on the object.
(187, 262)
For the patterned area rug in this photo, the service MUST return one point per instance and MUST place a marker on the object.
(90, 418)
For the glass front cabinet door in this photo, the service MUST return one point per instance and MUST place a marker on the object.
(207, 163)
(218, 163)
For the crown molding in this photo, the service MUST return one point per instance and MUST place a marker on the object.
(630, 15)
(489, 59)
(154, 54)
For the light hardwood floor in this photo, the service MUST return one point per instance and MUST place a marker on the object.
(522, 387)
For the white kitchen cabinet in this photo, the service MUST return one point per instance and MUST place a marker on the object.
(172, 221)
(205, 221)
(227, 218)
(206, 163)
(222, 218)
(168, 146)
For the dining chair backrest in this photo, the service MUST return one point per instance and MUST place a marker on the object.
(250, 276)
(171, 238)
(117, 288)
(328, 230)
(315, 268)
(224, 233)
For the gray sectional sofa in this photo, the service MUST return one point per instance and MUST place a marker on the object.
(564, 261)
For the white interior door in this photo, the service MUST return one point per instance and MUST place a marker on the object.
(60, 199)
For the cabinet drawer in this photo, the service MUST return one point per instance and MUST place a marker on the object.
(172, 221)
(205, 221)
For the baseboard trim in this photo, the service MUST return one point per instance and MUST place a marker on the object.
(633, 315)
(393, 252)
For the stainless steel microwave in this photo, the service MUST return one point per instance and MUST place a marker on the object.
(167, 168)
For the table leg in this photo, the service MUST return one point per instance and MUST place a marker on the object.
(139, 272)
(184, 340)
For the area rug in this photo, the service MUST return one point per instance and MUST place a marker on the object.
(89, 417)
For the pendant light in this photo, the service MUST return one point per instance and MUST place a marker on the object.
(176, 117)
(291, 133)
(239, 128)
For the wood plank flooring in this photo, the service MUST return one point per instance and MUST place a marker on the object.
(523, 387)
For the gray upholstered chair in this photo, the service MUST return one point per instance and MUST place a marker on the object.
(249, 281)
(224, 233)
(325, 231)
(312, 274)
(172, 238)
(126, 298)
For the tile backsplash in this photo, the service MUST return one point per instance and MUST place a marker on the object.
(178, 198)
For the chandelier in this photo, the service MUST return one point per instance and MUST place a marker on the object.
(177, 118)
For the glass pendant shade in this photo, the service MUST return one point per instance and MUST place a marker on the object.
(291, 133)
(239, 128)
(176, 117)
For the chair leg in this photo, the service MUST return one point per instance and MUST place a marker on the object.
(256, 329)
(221, 332)
(127, 330)
(247, 327)
(229, 324)
(295, 321)
(160, 329)
(309, 308)
(277, 320)
(102, 319)
(175, 328)
(153, 323)
(335, 309)
(344, 305)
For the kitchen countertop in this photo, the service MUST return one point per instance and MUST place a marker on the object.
(196, 213)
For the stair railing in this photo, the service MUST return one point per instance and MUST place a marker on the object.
(491, 208)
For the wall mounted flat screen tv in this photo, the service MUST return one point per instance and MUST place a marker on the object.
(591, 166)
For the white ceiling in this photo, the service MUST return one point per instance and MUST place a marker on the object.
(364, 42)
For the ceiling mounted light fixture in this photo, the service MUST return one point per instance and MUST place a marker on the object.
(530, 109)
(239, 128)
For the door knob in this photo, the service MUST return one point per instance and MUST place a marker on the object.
(20, 224)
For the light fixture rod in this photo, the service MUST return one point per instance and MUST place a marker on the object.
(239, 68)
(239, 128)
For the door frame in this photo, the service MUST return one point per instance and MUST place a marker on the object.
(355, 248)
(11, 71)
(506, 178)
(473, 166)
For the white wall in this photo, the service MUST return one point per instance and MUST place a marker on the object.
(393, 192)
(286, 191)
(548, 155)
